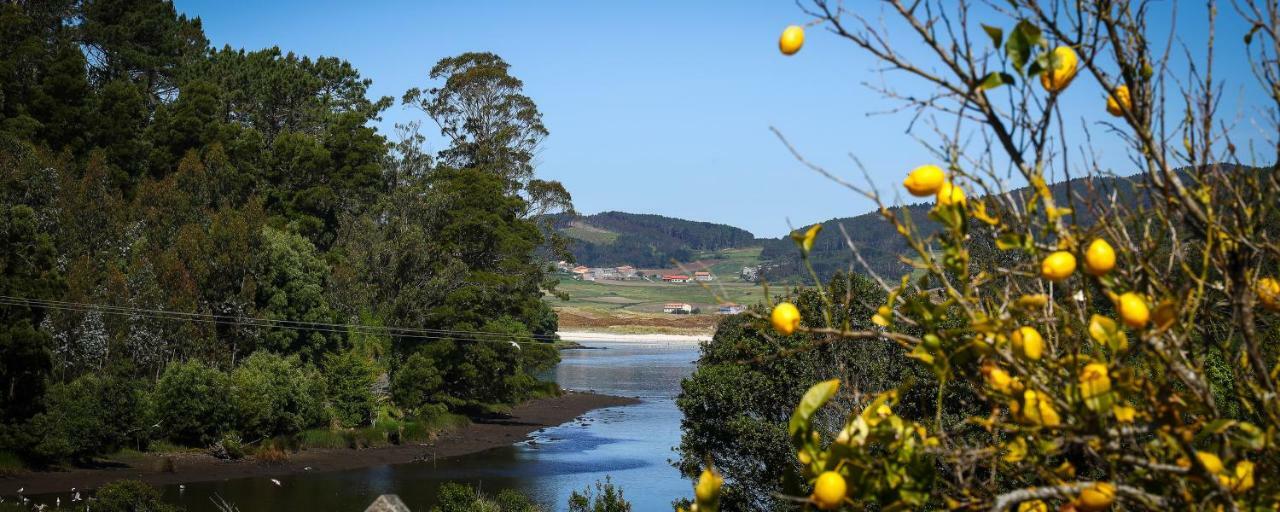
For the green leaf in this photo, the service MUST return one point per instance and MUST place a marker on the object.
(814, 399)
(1010, 241)
(1022, 41)
(996, 79)
(996, 34)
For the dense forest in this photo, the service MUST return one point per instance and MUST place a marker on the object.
(647, 241)
(193, 235)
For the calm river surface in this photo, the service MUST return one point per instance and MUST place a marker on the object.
(630, 444)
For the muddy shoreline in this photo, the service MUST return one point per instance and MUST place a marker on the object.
(480, 435)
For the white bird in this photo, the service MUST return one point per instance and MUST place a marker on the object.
(514, 344)
(57, 502)
(75, 497)
(277, 482)
(308, 468)
(20, 489)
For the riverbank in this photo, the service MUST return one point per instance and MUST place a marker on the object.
(647, 338)
(482, 434)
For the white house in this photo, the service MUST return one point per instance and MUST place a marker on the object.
(677, 308)
(703, 276)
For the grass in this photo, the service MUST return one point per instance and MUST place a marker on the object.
(10, 464)
(728, 263)
(588, 233)
(648, 297)
(387, 432)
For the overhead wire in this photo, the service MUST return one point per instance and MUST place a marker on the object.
(243, 321)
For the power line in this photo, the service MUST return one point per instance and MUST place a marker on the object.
(297, 325)
(416, 333)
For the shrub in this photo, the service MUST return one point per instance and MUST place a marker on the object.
(130, 496)
(275, 395)
(88, 416)
(271, 453)
(229, 447)
(417, 384)
(1144, 380)
(192, 403)
(606, 498)
(349, 388)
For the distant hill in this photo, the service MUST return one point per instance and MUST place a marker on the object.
(615, 238)
(881, 245)
(645, 240)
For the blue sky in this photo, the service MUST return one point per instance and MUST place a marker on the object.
(664, 107)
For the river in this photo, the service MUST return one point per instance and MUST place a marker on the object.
(631, 444)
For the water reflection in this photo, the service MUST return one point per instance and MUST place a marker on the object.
(630, 444)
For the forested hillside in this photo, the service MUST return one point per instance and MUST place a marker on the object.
(882, 247)
(644, 240)
(189, 231)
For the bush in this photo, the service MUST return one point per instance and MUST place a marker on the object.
(417, 384)
(349, 388)
(86, 417)
(229, 447)
(456, 497)
(130, 496)
(192, 403)
(275, 395)
(607, 498)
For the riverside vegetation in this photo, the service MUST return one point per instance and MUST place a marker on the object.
(212, 248)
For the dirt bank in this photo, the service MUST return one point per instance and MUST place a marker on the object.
(481, 435)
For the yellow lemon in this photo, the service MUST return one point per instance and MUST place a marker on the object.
(785, 318)
(1242, 480)
(1133, 310)
(1058, 266)
(1027, 343)
(708, 488)
(1039, 409)
(1033, 506)
(997, 378)
(1119, 101)
(1099, 258)
(925, 180)
(1269, 293)
(829, 490)
(1063, 65)
(1094, 381)
(792, 39)
(1096, 498)
(949, 194)
(1210, 461)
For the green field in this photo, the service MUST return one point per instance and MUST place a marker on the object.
(589, 233)
(648, 297)
(727, 263)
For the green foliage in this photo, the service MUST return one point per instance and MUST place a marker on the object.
(142, 169)
(606, 498)
(418, 384)
(739, 401)
(192, 403)
(90, 415)
(647, 240)
(349, 388)
(130, 496)
(456, 497)
(275, 395)
(291, 283)
(26, 270)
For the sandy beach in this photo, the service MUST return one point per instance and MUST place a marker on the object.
(606, 337)
(481, 435)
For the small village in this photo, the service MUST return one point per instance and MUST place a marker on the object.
(630, 273)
